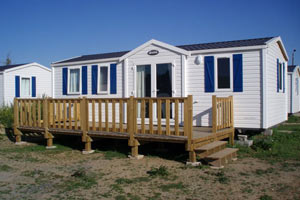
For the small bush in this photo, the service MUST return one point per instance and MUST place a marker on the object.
(7, 116)
(161, 171)
(264, 143)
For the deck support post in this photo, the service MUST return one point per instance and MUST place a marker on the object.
(17, 132)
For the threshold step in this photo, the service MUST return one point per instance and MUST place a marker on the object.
(219, 159)
(210, 146)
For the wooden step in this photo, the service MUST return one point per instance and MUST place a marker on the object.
(220, 158)
(210, 148)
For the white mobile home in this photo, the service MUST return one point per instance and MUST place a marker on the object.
(253, 71)
(293, 89)
(24, 80)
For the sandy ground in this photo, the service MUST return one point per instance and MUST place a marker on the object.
(31, 172)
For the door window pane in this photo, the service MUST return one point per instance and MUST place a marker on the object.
(280, 76)
(143, 86)
(25, 87)
(103, 79)
(223, 73)
(74, 80)
(164, 84)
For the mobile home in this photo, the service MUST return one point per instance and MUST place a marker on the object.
(30, 80)
(253, 71)
(293, 89)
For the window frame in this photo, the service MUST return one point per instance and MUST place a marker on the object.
(30, 86)
(69, 79)
(216, 57)
(108, 79)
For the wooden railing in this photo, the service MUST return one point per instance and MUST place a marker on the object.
(222, 113)
(161, 116)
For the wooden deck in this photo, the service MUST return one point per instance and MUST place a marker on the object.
(124, 118)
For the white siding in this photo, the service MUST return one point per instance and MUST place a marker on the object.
(276, 101)
(247, 104)
(1, 90)
(43, 81)
(293, 97)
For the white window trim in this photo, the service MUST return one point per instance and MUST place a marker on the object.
(230, 56)
(108, 78)
(69, 79)
(30, 87)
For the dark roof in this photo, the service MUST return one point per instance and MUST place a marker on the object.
(190, 47)
(291, 68)
(226, 44)
(5, 67)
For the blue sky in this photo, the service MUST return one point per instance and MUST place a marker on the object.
(47, 31)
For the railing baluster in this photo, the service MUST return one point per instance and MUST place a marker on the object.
(113, 105)
(93, 116)
(176, 117)
(75, 113)
(135, 127)
(159, 116)
(34, 113)
(64, 113)
(167, 117)
(70, 114)
(39, 113)
(106, 116)
(150, 116)
(121, 116)
(58, 113)
(143, 115)
(100, 115)
(30, 112)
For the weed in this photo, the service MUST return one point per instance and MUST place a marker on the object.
(222, 178)
(133, 197)
(168, 187)
(161, 171)
(80, 179)
(120, 197)
(7, 115)
(117, 188)
(5, 168)
(265, 197)
(109, 155)
(293, 119)
(155, 196)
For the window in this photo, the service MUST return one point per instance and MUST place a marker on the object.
(103, 79)
(280, 76)
(74, 81)
(25, 87)
(223, 73)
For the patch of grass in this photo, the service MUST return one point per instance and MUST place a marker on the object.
(120, 197)
(7, 115)
(32, 173)
(109, 155)
(5, 168)
(293, 119)
(266, 171)
(221, 178)
(176, 186)
(133, 197)
(265, 197)
(161, 171)
(80, 179)
(132, 181)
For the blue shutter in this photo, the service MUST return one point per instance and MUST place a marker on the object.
(17, 86)
(278, 75)
(283, 74)
(238, 73)
(84, 79)
(33, 86)
(65, 81)
(209, 73)
(113, 78)
(94, 78)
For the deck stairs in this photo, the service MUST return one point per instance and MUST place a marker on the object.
(216, 154)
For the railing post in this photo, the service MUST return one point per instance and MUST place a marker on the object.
(84, 120)
(46, 120)
(17, 132)
(214, 114)
(190, 118)
(232, 121)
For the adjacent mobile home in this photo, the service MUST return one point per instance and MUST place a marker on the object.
(24, 80)
(253, 71)
(293, 89)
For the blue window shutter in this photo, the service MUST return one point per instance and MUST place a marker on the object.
(209, 73)
(113, 78)
(94, 78)
(65, 81)
(283, 74)
(33, 86)
(277, 75)
(84, 79)
(238, 73)
(17, 86)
